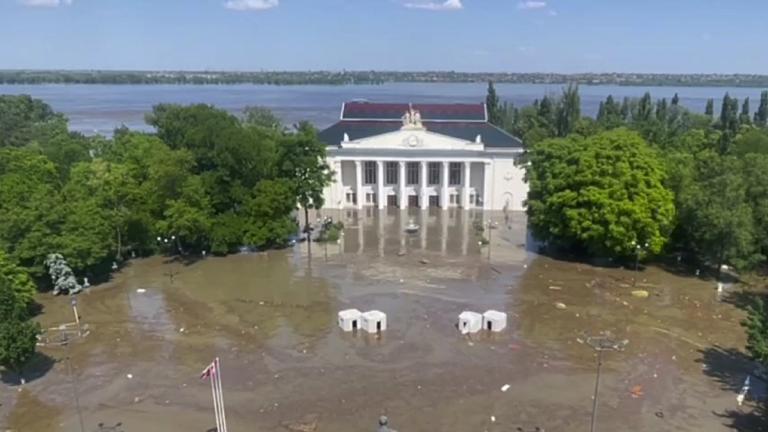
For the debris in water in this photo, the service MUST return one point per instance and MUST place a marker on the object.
(660, 414)
(505, 387)
(561, 305)
(424, 261)
(401, 253)
(129, 376)
(637, 391)
(141, 290)
(493, 419)
(555, 288)
(640, 293)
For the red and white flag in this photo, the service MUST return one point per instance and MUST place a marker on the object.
(209, 371)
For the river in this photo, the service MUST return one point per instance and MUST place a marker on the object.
(98, 109)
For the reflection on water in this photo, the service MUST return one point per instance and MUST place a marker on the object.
(383, 232)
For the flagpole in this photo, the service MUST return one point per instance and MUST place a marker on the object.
(215, 402)
(221, 397)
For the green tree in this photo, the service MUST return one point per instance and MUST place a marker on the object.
(709, 110)
(744, 117)
(30, 207)
(644, 110)
(675, 100)
(301, 159)
(18, 335)
(661, 110)
(18, 279)
(756, 325)
(19, 115)
(599, 194)
(189, 217)
(715, 213)
(761, 115)
(256, 116)
(493, 106)
(626, 109)
(568, 111)
(269, 210)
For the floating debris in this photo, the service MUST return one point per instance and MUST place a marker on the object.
(561, 305)
(505, 387)
(640, 293)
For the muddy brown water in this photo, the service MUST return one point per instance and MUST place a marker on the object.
(271, 318)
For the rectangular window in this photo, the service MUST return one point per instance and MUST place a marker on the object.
(434, 173)
(455, 174)
(454, 199)
(370, 173)
(351, 198)
(413, 173)
(369, 198)
(392, 174)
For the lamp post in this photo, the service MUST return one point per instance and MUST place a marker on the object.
(75, 391)
(638, 248)
(600, 344)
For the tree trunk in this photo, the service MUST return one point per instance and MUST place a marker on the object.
(119, 245)
(307, 231)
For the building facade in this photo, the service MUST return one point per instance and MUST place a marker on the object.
(428, 155)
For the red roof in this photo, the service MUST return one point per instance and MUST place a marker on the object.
(429, 112)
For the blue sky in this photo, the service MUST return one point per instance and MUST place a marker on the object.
(679, 36)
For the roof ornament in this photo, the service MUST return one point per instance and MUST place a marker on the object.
(412, 119)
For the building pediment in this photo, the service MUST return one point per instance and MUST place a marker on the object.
(413, 139)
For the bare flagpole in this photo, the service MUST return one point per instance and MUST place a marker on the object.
(215, 401)
(221, 397)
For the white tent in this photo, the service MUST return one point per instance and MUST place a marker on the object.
(374, 321)
(349, 319)
(494, 321)
(470, 322)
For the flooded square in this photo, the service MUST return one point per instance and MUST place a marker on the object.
(286, 365)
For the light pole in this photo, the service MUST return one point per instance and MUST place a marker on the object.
(65, 341)
(600, 344)
(490, 237)
(638, 248)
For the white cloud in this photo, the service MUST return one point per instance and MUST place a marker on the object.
(251, 5)
(45, 3)
(433, 5)
(532, 4)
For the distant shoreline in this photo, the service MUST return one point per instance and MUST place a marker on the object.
(282, 78)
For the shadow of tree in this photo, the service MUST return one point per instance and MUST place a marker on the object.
(729, 367)
(37, 367)
(745, 298)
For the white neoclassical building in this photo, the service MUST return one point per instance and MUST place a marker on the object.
(422, 155)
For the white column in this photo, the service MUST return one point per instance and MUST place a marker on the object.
(443, 232)
(487, 179)
(380, 185)
(464, 232)
(465, 183)
(359, 184)
(444, 204)
(401, 193)
(424, 198)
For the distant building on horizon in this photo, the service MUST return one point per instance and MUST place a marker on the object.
(422, 155)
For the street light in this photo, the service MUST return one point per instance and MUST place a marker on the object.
(65, 341)
(600, 344)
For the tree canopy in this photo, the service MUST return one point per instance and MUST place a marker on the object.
(604, 194)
